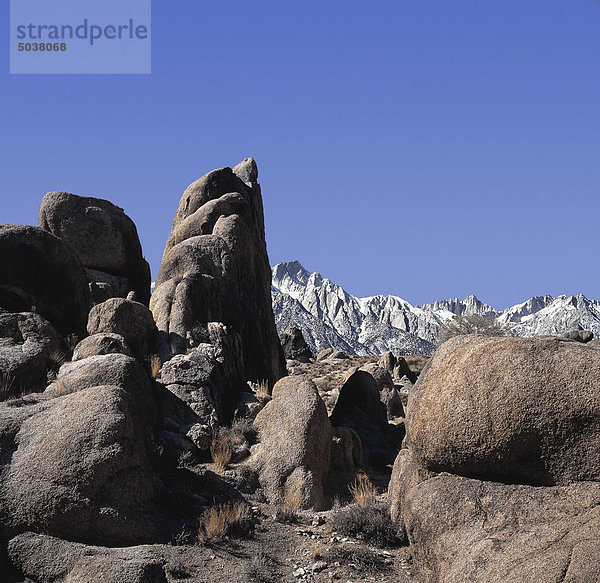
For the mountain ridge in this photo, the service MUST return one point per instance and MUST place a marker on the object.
(331, 317)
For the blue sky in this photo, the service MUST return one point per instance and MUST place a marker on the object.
(424, 148)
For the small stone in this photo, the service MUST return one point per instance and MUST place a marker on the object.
(318, 566)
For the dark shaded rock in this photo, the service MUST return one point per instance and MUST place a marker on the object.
(392, 400)
(39, 273)
(101, 343)
(582, 336)
(294, 346)
(519, 410)
(129, 319)
(359, 407)
(46, 559)
(76, 467)
(295, 443)
(100, 291)
(346, 459)
(215, 269)
(463, 530)
(104, 238)
(29, 348)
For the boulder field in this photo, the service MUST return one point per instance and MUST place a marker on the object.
(128, 420)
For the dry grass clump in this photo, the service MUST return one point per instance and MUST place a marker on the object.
(155, 365)
(291, 502)
(363, 491)
(262, 569)
(371, 523)
(471, 324)
(262, 390)
(221, 451)
(362, 559)
(7, 384)
(57, 357)
(229, 520)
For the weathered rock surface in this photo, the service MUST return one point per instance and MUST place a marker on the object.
(215, 269)
(101, 343)
(295, 442)
(294, 346)
(76, 467)
(112, 369)
(29, 347)
(359, 407)
(46, 559)
(131, 320)
(519, 410)
(39, 273)
(464, 530)
(103, 237)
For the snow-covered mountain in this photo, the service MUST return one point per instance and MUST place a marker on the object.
(330, 317)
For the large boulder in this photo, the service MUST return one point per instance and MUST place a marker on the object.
(295, 443)
(76, 467)
(103, 237)
(101, 343)
(359, 407)
(500, 480)
(46, 559)
(131, 320)
(215, 269)
(294, 346)
(518, 410)
(39, 273)
(463, 530)
(112, 369)
(29, 348)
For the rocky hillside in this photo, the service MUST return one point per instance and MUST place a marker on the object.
(331, 317)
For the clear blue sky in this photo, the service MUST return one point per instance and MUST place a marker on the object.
(426, 148)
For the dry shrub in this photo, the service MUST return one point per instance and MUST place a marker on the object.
(316, 552)
(363, 491)
(234, 519)
(362, 559)
(57, 357)
(155, 365)
(221, 452)
(370, 523)
(262, 390)
(262, 569)
(291, 502)
(241, 431)
(471, 324)
(7, 384)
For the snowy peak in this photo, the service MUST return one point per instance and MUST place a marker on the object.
(470, 305)
(329, 316)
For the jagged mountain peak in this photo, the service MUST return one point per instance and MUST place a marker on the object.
(330, 316)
